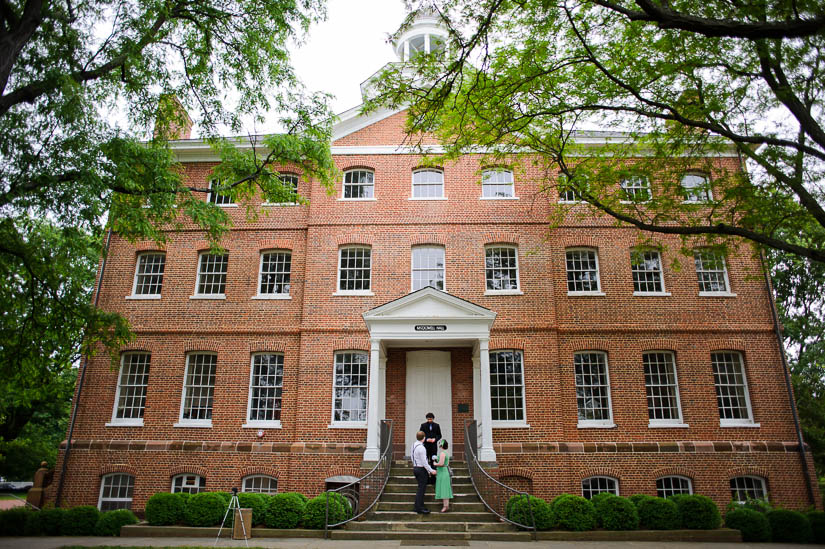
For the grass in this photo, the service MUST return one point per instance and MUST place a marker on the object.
(141, 547)
(9, 496)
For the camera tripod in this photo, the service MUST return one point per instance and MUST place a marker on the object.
(233, 504)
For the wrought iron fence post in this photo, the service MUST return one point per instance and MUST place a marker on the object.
(326, 517)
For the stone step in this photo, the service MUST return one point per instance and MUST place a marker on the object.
(409, 496)
(456, 481)
(394, 488)
(454, 505)
(407, 471)
(442, 536)
(434, 516)
(428, 526)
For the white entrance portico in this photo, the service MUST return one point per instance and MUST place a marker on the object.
(429, 319)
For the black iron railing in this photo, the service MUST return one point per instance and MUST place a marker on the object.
(363, 493)
(493, 494)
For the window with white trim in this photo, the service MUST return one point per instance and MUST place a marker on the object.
(116, 492)
(290, 182)
(696, 188)
(149, 274)
(198, 389)
(219, 195)
(359, 184)
(350, 387)
(747, 487)
(569, 190)
(731, 388)
(635, 189)
(130, 400)
(275, 272)
(354, 269)
(592, 388)
(428, 267)
(662, 388)
(507, 386)
(646, 266)
(260, 484)
(212, 270)
(711, 272)
(188, 484)
(501, 268)
(582, 271)
(672, 486)
(596, 485)
(265, 388)
(497, 183)
(428, 184)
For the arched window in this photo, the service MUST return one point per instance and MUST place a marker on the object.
(497, 183)
(359, 184)
(696, 188)
(635, 189)
(116, 492)
(188, 483)
(747, 487)
(673, 485)
(596, 485)
(428, 184)
(260, 484)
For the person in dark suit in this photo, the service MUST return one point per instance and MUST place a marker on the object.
(432, 434)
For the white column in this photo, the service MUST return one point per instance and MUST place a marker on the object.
(476, 385)
(382, 387)
(486, 452)
(372, 453)
(406, 50)
(427, 43)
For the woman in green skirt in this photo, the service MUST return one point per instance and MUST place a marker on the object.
(443, 486)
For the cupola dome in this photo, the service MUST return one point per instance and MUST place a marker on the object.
(425, 34)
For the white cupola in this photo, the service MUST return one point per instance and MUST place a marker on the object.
(425, 34)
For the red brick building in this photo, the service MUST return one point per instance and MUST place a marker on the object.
(591, 364)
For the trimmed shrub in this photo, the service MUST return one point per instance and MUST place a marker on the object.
(542, 512)
(13, 521)
(574, 513)
(34, 525)
(51, 520)
(257, 502)
(753, 524)
(636, 499)
(789, 526)
(79, 521)
(658, 514)
(204, 509)
(315, 510)
(110, 522)
(165, 509)
(508, 507)
(817, 520)
(616, 513)
(601, 496)
(697, 512)
(285, 510)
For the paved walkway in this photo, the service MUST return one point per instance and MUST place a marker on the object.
(9, 503)
(293, 543)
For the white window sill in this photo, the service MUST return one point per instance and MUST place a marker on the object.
(226, 205)
(571, 201)
(125, 423)
(634, 201)
(353, 292)
(261, 425)
(279, 204)
(351, 425)
(143, 296)
(510, 425)
(652, 294)
(582, 294)
(206, 296)
(498, 198)
(198, 424)
(373, 199)
(503, 292)
(427, 198)
(717, 294)
(596, 425)
(271, 296)
(697, 202)
(745, 424)
(665, 425)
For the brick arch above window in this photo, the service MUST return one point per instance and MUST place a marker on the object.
(581, 241)
(507, 342)
(356, 166)
(264, 345)
(149, 246)
(748, 471)
(352, 343)
(204, 345)
(276, 244)
(343, 470)
(601, 472)
(672, 471)
(515, 472)
(258, 470)
(348, 240)
(115, 468)
(431, 240)
(139, 345)
(188, 470)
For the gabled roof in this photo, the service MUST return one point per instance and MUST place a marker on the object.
(429, 304)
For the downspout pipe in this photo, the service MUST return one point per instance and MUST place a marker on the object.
(80, 381)
(788, 385)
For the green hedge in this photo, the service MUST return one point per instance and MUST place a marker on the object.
(658, 514)
(165, 509)
(817, 520)
(285, 510)
(637, 499)
(257, 502)
(616, 513)
(110, 522)
(521, 506)
(753, 524)
(698, 512)
(789, 526)
(79, 521)
(205, 509)
(316, 508)
(13, 521)
(574, 513)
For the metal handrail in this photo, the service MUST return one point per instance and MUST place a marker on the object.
(479, 475)
(383, 466)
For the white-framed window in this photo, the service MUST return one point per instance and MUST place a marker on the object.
(501, 269)
(568, 192)
(130, 399)
(274, 273)
(290, 182)
(198, 390)
(428, 267)
(354, 269)
(592, 389)
(359, 184)
(349, 390)
(635, 189)
(662, 388)
(428, 184)
(592, 486)
(260, 484)
(497, 183)
(711, 272)
(646, 267)
(696, 188)
(673, 485)
(116, 492)
(212, 270)
(582, 271)
(266, 382)
(747, 487)
(731, 389)
(217, 195)
(188, 484)
(507, 386)
(149, 274)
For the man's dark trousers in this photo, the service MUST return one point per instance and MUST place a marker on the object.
(421, 475)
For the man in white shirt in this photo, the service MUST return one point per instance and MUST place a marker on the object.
(421, 470)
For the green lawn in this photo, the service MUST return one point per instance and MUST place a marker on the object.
(9, 496)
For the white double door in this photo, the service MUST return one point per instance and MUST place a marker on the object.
(429, 389)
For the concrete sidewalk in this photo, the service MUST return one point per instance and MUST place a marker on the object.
(294, 543)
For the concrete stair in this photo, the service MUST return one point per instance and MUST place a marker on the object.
(393, 517)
